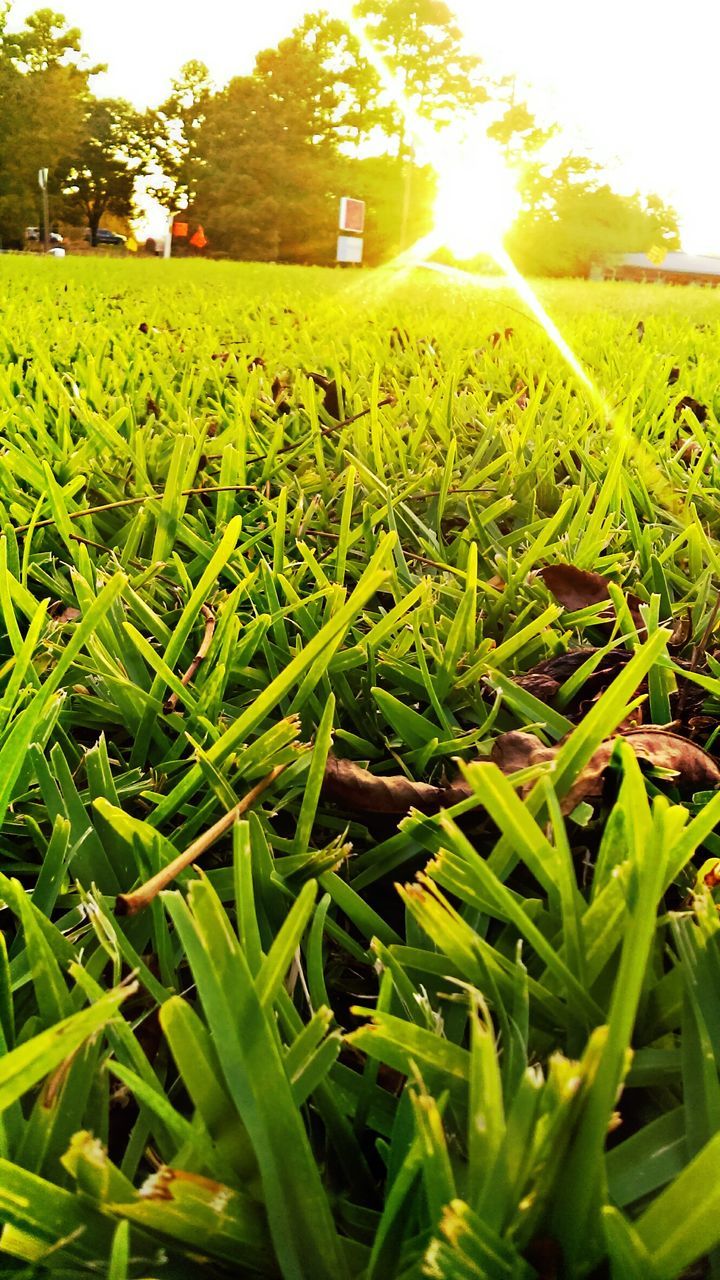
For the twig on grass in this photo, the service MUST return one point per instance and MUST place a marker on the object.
(137, 501)
(410, 555)
(324, 431)
(129, 904)
(202, 652)
(209, 489)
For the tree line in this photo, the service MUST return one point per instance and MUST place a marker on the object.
(262, 161)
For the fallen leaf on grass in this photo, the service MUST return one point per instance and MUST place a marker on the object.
(695, 406)
(280, 389)
(693, 768)
(351, 787)
(331, 399)
(545, 680)
(712, 879)
(64, 613)
(521, 393)
(501, 336)
(686, 449)
(575, 589)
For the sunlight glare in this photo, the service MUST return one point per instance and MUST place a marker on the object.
(477, 199)
(476, 205)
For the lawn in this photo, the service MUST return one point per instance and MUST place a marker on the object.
(358, 796)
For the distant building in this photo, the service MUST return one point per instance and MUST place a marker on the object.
(675, 268)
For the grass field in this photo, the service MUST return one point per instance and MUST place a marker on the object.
(441, 995)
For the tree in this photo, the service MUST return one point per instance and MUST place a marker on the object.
(46, 43)
(570, 219)
(44, 97)
(422, 43)
(341, 91)
(380, 183)
(174, 130)
(517, 132)
(101, 176)
(276, 198)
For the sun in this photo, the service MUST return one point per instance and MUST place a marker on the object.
(477, 199)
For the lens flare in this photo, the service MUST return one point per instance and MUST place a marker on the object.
(476, 205)
(477, 200)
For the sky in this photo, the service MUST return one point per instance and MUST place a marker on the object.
(632, 82)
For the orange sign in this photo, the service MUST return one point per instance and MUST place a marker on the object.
(180, 230)
(199, 240)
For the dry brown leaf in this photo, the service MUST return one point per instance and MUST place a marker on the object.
(518, 750)
(575, 589)
(350, 786)
(521, 393)
(545, 679)
(681, 632)
(331, 398)
(686, 449)
(66, 613)
(280, 390)
(695, 406)
(353, 788)
(694, 768)
(501, 335)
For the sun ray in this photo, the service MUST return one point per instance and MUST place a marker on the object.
(476, 206)
(476, 201)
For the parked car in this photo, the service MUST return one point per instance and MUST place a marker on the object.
(34, 234)
(103, 236)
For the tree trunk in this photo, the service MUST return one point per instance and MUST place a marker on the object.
(407, 202)
(94, 217)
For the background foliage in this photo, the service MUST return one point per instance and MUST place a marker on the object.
(309, 124)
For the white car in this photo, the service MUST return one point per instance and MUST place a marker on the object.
(34, 234)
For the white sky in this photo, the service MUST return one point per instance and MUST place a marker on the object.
(633, 82)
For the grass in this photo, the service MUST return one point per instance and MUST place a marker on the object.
(341, 1042)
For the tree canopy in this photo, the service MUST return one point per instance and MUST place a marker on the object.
(262, 161)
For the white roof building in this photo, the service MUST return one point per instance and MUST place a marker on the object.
(683, 268)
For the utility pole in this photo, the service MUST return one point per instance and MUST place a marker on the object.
(407, 184)
(42, 183)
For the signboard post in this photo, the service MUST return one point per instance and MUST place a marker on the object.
(351, 224)
(42, 183)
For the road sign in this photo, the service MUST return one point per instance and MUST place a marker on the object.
(352, 215)
(349, 249)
